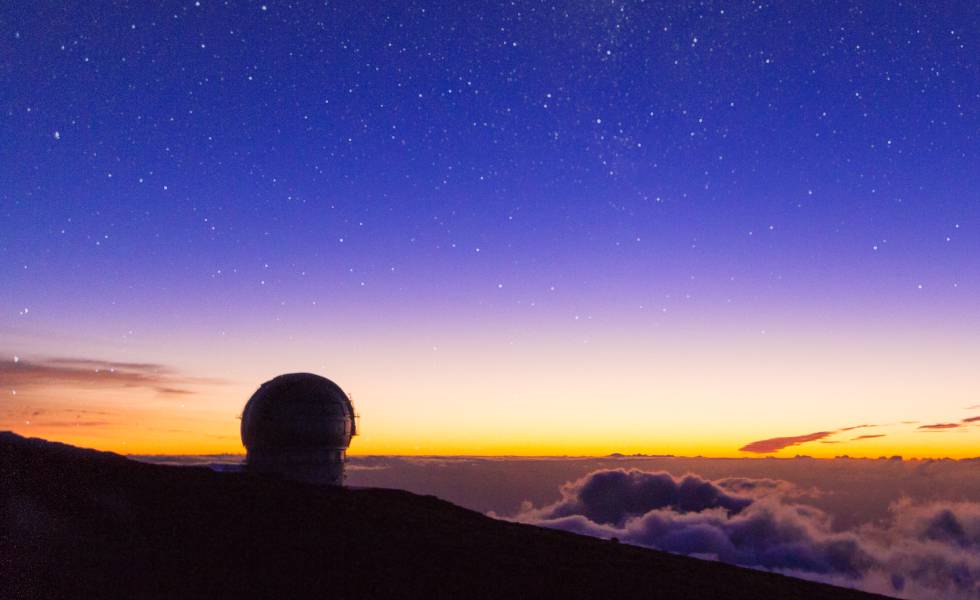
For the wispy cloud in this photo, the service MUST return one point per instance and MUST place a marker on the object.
(37, 412)
(857, 427)
(97, 374)
(941, 426)
(771, 445)
(173, 391)
(76, 423)
(81, 363)
(776, 444)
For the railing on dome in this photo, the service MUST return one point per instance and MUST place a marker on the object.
(356, 428)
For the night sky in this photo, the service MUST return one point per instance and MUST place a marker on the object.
(638, 226)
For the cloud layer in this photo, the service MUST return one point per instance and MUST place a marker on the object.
(921, 551)
(776, 444)
(87, 373)
(771, 445)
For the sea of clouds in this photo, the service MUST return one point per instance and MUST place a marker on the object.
(929, 550)
(905, 528)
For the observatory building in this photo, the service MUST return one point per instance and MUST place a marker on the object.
(298, 426)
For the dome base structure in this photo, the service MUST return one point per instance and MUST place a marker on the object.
(320, 467)
(298, 426)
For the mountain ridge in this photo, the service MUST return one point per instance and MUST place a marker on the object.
(84, 523)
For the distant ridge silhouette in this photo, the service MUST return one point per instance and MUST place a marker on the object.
(85, 524)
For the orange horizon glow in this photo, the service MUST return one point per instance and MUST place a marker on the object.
(180, 446)
(682, 392)
(135, 438)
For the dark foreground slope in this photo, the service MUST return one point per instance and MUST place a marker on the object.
(82, 524)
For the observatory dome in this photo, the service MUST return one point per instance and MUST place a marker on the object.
(298, 426)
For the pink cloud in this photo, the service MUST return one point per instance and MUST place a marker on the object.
(776, 444)
(857, 427)
(95, 374)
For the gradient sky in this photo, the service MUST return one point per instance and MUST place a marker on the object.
(537, 228)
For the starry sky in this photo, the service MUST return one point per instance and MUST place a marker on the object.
(522, 228)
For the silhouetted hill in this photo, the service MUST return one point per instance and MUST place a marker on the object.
(83, 524)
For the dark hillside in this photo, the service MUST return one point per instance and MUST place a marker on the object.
(81, 524)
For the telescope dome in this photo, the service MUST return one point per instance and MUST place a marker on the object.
(298, 426)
